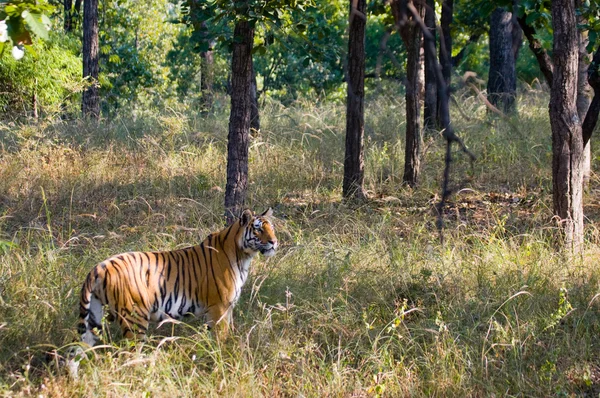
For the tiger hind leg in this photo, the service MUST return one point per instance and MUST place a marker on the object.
(92, 320)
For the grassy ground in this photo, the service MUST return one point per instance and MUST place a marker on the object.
(361, 300)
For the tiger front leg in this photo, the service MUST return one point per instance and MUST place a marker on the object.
(133, 325)
(219, 319)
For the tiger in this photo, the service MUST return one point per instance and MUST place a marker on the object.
(203, 280)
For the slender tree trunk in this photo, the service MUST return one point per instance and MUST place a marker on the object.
(502, 80)
(207, 79)
(239, 121)
(430, 97)
(567, 139)
(591, 118)
(517, 32)
(68, 23)
(445, 50)
(254, 110)
(355, 121)
(584, 93)
(412, 37)
(91, 99)
(76, 14)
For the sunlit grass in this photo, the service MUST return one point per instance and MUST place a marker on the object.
(360, 300)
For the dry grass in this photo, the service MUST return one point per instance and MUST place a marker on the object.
(361, 300)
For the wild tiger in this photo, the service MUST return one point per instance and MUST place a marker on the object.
(203, 280)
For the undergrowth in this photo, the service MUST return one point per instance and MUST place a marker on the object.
(361, 299)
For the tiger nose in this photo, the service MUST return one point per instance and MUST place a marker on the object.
(274, 243)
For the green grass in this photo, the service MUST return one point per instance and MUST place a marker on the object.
(361, 300)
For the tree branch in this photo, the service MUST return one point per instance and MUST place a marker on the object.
(541, 55)
(591, 117)
(461, 54)
(448, 131)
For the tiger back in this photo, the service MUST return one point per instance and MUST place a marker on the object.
(203, 280)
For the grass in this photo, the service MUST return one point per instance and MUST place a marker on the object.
(361, 300)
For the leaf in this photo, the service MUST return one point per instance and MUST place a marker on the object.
(301, 27)
(306, 62)
(259, 50)
(35, 24)
(532, 17)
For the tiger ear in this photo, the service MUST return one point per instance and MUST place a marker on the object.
(246, 217)
(267, 213)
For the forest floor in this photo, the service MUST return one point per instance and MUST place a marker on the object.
(362, 299)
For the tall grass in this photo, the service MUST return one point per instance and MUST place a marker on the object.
(361, 299)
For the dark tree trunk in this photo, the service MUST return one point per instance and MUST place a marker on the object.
(207, 79)
(355, 121)
(567, 139)
(91, 99)
(502, 80)
(445, 50)
(239, 121)
(254, 110)
(76, 15)
(517, 32)
(68, 23)
(412, 36)
(206, 43)
(591, 118)
(430, 97)
(536, 47)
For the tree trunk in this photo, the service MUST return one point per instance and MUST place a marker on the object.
(430, 97)
(239, 121)
(76, 14)
(445, 50)
(591, 118)
(91, 100)
(412, 37)
(207, 79)
(502, 80)
(254, 110)
(567, 140)
(352, 186)
(68, 23)
(584, 92)
(517, 32)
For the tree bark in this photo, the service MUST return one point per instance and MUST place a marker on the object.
(502, 80)
(430, 97)
(591, 118)
(567, 139)
(91, 99)
(239, 121)
(68, 23)
(411, 34)
(207, 79)
(254, 110)
(445, 51)
(76, 13)
(517, 32)
(352, 186)
(584, 92)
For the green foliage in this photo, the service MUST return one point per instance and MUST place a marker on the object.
(20, 18)
(52, 73)
(359, 301)
(135, 38)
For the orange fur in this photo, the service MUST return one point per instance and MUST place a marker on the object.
(203, 280)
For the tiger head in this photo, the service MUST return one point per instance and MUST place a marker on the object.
(258, 234)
